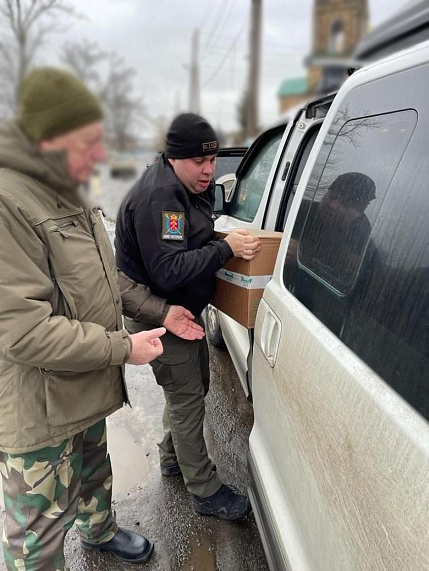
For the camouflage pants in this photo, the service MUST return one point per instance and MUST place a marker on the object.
(46, 491)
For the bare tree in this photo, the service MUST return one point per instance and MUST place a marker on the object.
(24, 28)
(86, 59)
(109, 77)
(125, 110)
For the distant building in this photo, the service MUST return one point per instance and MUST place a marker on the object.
(338, 25)
(292, 91)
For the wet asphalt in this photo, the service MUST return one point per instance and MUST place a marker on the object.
(160, 507)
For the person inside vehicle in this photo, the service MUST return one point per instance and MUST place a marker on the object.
(337, 230)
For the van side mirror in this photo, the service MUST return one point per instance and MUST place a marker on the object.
(219, 207)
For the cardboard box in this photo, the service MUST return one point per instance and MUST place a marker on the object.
(240, 284)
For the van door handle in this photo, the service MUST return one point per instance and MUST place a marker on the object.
(270, 337)
(287, 165)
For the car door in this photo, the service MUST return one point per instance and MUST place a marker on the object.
(247, 203)
(227, 161)
(269, 209)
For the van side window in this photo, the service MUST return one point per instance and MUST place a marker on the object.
(348, 196)
(248, 194)
(359, 253)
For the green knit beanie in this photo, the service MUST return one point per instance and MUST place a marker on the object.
(54, 102)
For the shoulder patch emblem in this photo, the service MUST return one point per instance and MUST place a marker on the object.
(173, 225)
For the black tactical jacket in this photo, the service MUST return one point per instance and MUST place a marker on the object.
(165, 238)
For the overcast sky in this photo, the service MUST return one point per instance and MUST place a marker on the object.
(155, 38)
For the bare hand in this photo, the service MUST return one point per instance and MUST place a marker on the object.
(146, 346)
(180, 322)
(243, 244)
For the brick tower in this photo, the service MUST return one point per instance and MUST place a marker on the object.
(338, 25)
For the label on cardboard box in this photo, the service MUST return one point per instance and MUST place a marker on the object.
(247, 282)
(240, 283)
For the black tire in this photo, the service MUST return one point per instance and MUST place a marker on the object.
(213, 330)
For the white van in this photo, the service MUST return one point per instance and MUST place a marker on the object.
(339, 450)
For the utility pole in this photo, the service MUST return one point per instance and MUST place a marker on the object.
(254, 68)
(194, 78)
(177, 103)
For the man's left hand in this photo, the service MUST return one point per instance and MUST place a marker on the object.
(179, 321)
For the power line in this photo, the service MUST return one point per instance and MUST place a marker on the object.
(216, 25)
(226, 15)
(206, 11)
(225, 56)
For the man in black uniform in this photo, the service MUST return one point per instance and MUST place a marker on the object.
(165, 240)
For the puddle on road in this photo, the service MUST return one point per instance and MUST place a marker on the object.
(130, 464)
(202, 556)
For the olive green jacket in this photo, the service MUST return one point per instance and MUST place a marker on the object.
(62, 342)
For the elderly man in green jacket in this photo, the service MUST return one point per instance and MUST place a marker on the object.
(62, 342)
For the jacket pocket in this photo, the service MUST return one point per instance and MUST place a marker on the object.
(62, 302)
(64, 227)
(75, 397)
(173, 367)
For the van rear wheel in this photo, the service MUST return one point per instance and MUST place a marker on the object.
(213, 330)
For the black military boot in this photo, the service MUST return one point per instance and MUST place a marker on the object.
(126, 545)
(226, 503)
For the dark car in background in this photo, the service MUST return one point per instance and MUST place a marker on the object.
(122, 165)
